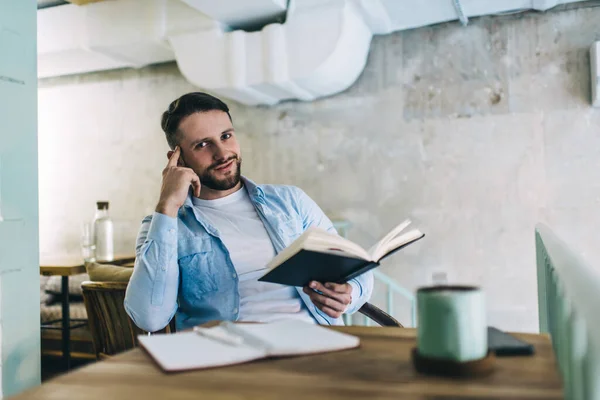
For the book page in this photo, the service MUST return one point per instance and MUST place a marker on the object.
(336, 243)
(399, 241)
(319, 240)
(294, 337)
(376, 248)
(189, 350)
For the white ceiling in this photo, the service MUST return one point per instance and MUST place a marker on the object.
(320, 48)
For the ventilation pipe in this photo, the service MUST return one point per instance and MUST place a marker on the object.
(319, 50)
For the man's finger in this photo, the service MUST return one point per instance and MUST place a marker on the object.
(328, 310)
(196, 185)
(339, 287)
(321, 288)
(335, 304)
(174, 158)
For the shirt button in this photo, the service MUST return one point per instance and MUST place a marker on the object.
(235, 310)
(164, 267)
(234, 275)
(171, 231)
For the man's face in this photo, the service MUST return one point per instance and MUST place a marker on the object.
(209, 147)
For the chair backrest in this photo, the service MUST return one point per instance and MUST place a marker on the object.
(112, 330)
(379, 316)
(568, 299)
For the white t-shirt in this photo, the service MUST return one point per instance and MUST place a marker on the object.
(250, 249)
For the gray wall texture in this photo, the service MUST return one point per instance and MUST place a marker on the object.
(476, 133)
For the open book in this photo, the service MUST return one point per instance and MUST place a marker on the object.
(326, 257)
(229, 344)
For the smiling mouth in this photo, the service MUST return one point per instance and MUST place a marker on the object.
(224, 166)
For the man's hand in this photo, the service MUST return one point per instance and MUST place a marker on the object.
(175, 185)
(334, 299)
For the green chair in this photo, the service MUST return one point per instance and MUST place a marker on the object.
(568, 303)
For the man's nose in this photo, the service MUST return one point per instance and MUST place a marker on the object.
(219, 152)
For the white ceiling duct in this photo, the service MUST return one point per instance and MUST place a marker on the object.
(242, 14)
(317, 52)
(113, 34)
(320, 49)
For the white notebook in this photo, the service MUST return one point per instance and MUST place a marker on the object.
(229, 343)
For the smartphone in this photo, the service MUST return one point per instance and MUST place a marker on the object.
(504, 344)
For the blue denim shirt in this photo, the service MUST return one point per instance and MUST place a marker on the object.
(183, 267)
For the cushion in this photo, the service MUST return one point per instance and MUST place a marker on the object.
(53, 285)
(45, 297)
(54, 312)
(108, 273)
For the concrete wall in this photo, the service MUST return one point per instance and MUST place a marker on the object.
(19, 264)
(476, 133)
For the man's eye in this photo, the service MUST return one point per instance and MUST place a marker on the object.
(201, 145)
(226, 136)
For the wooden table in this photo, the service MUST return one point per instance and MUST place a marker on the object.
(66, 266)
(381, 369)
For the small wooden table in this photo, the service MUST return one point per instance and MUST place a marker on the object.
(65, 267)
(380, 368)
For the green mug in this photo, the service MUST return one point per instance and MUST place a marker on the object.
(451, 323)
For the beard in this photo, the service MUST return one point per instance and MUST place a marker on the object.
(209, 179)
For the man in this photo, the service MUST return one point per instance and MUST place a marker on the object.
(213, 232)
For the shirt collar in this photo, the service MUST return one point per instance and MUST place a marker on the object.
(254, 191)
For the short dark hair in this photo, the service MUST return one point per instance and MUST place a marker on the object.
(184, 106)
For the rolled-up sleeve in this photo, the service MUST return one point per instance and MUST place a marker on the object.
(362, 288)
(151, 297)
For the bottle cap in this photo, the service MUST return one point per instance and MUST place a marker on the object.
(102, 205)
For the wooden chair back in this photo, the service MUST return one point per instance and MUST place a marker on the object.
(112, 330)
(379, 316)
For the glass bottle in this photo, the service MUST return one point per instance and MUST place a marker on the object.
(88, 242)
(103, 233)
